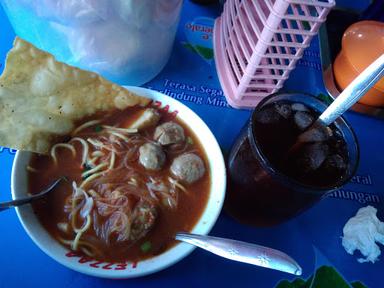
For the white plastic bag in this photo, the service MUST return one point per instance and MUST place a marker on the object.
(127, 41)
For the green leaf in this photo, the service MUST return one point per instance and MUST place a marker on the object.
(207, 53)
(296, 283)
(325, 277)
(299, 283)
(358, 284)
(188, 46)
(146, 246)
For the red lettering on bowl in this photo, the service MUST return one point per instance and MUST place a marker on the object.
(85, 259)
(108, 266)
(72, 254)
(96, 264)
(121, 266)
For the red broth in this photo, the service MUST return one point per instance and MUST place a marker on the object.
(50, 211)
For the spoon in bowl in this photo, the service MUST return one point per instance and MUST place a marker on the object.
(30, 199)
(243, 252)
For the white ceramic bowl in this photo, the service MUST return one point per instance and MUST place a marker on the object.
(92, 267)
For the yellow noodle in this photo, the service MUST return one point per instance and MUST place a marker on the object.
(64, 241)
(85, 125)
(73, 215)
(92, 161)
(177, 184)
(119, 135)
(92, 193)
(90, 178)
(81, 231)
(89, 245)
(86, 251)
(132, 181)
(95, 142)
(97, 154)
(112, 162)
(61, 145)
(80, 243)
(93, 170)
(99, 144)
(85, 149)
(124, 130)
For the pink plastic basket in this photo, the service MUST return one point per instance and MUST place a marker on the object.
(257, 44)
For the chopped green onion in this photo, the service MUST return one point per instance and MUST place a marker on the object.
(146, 246)
(98, 128)
(189, 140)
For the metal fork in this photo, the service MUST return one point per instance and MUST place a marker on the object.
(29, 199)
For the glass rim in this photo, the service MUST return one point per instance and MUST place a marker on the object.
(281, 177)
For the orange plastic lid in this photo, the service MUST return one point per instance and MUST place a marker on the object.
(362, 43)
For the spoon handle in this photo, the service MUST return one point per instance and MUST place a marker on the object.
(243, 252)
(26, 200)
(354, 91)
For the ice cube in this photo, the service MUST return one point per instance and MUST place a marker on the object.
(317, 133)
(335, 162)
(299, 107)
(284, 110)
(303, 120)
(312, 156)
(267, 116)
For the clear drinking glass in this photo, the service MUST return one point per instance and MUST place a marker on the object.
(259, 194)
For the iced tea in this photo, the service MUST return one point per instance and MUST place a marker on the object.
(271, 177)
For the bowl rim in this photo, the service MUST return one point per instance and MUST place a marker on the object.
(205, 223)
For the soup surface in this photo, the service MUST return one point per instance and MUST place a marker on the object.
(119, 204)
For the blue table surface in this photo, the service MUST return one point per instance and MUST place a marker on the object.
(313, 238)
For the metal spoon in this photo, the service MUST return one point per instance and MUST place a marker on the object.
(354, 91)
(29, 199)
(243, 252)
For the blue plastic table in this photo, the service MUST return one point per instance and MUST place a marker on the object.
(313, 238)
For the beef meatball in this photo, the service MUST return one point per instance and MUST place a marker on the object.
(151, 156)
(143, 219)
(169, 133)
(188, 167)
